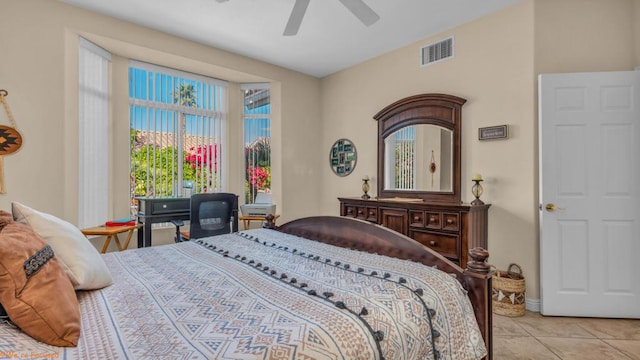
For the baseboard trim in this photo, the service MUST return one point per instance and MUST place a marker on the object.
(532, 305)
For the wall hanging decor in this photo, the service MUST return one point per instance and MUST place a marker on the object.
(432, 167)
(10, 138)
(343, 157)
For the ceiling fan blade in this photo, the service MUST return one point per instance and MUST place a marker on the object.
(295, 19)
(362, 11)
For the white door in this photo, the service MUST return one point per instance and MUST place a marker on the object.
(589, 133)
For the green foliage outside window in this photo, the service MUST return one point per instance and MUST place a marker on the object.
(163, 176)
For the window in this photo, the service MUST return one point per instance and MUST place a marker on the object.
(93, 134)
(257, 139)
(178, 131)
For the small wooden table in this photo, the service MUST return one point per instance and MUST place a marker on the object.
(112, 231)
(246, 219)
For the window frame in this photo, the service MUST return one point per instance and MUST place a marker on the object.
(258, 180)
(209, 135)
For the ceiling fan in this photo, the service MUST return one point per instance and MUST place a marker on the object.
(357, 7)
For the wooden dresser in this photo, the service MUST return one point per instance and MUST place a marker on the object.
(451, 229)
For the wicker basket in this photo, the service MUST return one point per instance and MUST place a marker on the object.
(508, 293)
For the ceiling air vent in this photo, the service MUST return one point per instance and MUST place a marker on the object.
(435, 52)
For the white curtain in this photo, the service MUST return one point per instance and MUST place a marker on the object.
(93, 134)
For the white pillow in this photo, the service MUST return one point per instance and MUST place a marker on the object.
(80, 259)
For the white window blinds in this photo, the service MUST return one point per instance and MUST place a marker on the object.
(257, 139)
(401, 147)
(93, 134)
(178, 132)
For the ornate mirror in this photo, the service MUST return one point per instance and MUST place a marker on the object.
(419, 148)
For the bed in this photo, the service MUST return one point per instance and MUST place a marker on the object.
(287, 292)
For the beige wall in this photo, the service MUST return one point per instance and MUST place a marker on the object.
(493, 70)
(585, 35)
(38, 43)
(497, 60)
(636, 31)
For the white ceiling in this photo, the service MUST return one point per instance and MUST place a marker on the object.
(330, 37)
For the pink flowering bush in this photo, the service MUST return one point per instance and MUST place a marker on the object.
(259, 177)
(203, 156)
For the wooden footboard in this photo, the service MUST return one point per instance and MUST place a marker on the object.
(364, 236)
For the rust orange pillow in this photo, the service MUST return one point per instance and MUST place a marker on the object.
(34, 289)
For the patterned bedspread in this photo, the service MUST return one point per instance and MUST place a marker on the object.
(261, 294)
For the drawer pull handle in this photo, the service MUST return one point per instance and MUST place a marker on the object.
(432, 243)
(416, 218)
(359, 212)
(432, 219)
(164, 206)
(449, 221)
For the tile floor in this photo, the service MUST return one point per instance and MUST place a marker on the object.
(538, 337)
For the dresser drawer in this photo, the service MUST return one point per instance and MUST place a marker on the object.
(164, 206)
(447, 245)
(451, 221)
(416, 218)
(350, 211)
(367, 213)
(433, 220)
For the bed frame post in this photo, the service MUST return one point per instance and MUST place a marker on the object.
(270, 221)
(478, 280)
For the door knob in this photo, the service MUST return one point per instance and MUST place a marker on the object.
(552, 207)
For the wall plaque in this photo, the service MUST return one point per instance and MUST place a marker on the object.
(493, 132)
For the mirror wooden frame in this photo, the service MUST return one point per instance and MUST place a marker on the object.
(435, 109)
